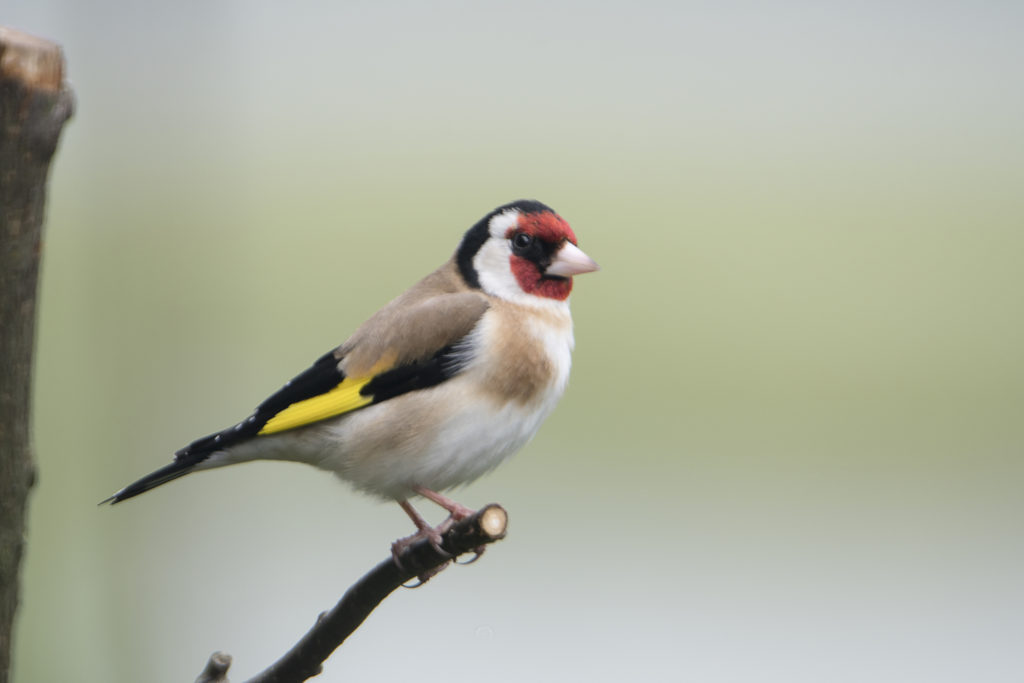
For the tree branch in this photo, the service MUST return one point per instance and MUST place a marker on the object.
(216, 670)
(34, 104)
(307, 656)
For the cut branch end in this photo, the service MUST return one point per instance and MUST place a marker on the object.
(216, 670)
(494, 521)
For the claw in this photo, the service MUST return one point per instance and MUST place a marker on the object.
(456, 513)
(477, 553)
(423, 530)
(399, 547)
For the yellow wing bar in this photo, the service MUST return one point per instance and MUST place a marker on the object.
(341, 399)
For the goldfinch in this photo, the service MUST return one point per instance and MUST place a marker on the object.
(435, 389)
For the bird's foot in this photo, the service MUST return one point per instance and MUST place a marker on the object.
(402, 544)
(423, 531)
(457, 513)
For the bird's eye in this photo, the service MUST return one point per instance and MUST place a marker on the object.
(521, 241)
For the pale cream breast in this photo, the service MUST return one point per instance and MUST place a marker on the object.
(524, 352)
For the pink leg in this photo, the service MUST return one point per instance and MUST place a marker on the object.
(456, 513)
(423, 530)
(418, 520)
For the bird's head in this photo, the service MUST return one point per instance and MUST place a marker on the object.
(521, 251)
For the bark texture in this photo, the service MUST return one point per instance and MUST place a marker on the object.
(34, 104)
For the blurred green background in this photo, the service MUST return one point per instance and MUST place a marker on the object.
(791, 447)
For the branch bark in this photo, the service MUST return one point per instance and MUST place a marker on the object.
(306, 657)
(34, 104)
(216, 670)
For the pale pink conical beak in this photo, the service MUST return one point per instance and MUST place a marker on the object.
(570, 260)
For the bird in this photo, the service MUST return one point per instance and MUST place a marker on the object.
(434, 390)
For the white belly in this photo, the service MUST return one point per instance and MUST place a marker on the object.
(465, 444)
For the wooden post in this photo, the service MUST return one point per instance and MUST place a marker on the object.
(34, 104)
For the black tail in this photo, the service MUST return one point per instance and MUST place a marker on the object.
(151, 481)
(187, 459)
(323, 376)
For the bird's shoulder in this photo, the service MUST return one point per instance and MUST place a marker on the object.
(435, 313)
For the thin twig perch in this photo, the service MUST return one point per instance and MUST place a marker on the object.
(306, 658)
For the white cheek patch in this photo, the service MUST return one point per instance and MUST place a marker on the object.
(492, 260)
(495, 272)
(502, 223)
